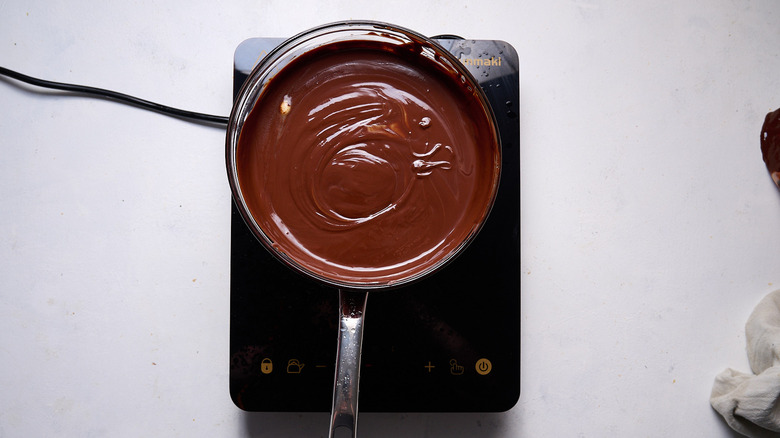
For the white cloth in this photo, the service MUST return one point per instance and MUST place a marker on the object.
(750, 403)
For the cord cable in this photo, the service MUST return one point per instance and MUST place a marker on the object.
(113, 95)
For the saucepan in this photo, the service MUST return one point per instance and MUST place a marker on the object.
(365, 156)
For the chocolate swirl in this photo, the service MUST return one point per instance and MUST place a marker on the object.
(364, 166)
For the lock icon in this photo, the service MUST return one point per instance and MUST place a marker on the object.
(266, 366)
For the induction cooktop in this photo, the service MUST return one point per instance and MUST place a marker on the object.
(449, 343)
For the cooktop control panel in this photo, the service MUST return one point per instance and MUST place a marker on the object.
(450, 343)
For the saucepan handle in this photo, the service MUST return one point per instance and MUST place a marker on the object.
(344, 411)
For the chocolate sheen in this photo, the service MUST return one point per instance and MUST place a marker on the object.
(770, 144)
(366, 163)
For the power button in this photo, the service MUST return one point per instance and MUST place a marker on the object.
(483, 367)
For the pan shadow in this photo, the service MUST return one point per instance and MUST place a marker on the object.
(428, 425)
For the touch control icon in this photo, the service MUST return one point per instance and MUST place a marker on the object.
(483, 367)
(266, 366)
(294, 366)
(455, 369)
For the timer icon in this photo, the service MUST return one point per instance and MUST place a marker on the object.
(483, 367)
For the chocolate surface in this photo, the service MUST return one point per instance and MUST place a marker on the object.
(366, 163)
(770, 144)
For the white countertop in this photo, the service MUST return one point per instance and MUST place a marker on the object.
(650, 227)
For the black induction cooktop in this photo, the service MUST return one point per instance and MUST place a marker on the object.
(449, 343)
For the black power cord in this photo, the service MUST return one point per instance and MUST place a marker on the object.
(113, 95)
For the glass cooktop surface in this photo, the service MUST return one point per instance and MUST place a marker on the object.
(449, 343)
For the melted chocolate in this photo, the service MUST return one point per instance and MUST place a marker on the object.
(770, 144)
(366, 163)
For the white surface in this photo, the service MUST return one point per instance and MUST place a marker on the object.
(650, 228)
